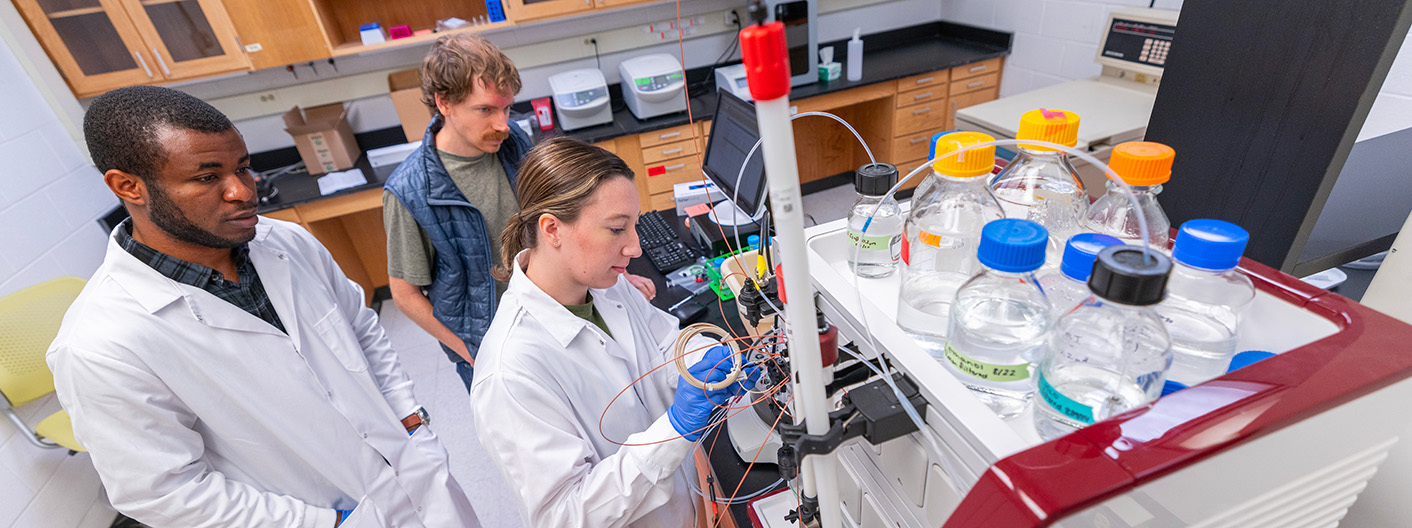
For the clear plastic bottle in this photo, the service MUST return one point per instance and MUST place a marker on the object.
(1144, 166)
(1111, 354)
(942, 232)
(1205, 298)
(875, 238)
(929, 178)
(1000, 318)
(1067, 286)
(1040, 184)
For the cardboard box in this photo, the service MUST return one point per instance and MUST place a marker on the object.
(406, 88)
(323, 137)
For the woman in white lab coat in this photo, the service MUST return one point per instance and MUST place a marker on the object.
(570, 334)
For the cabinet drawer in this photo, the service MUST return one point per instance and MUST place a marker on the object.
(662, 202)
(918, 118)
(608, 145)
(662, 176)
(666, 151)
(914, 146)
(666, 135)
(920, 96)
(925, 80)
(907, 167)
(989, 80)
(974, 69)
(969, 99)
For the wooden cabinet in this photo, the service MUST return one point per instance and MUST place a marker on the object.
(275, 33)
(521, 10)
(99, 45)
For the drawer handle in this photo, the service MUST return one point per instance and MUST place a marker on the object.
(671, 135)
(925, 80)
(677, 150)
(921, 96)
(675, 167)
(143, 62)
(975, 69)
(161, 62)
(922, 111)
(918, 140)
(975, 84)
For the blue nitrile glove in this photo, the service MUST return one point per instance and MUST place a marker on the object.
(342, 516)
(691, 407)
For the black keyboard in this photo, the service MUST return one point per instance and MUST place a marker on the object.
(654, 231)
(671, 257)
(660, 243)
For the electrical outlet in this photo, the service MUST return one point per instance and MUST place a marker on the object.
(732, 18)
(265, 98)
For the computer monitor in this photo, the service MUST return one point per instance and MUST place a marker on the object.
(734, 130)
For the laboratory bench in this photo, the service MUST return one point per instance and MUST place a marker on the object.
(913, 81)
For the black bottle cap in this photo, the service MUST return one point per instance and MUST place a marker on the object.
(1127, 275)
(874, 179)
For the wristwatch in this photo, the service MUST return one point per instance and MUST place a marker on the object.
(418, 418)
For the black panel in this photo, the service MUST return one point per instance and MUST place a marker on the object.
(1262, 102)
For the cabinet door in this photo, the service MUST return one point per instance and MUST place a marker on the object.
(92, 42)
(190, 38)
(277, 32)
(521, 10)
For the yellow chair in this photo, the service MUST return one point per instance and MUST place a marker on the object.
(29, 321)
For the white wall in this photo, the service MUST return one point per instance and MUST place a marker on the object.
(1392, 110)
(53, 195)
(1055, 41)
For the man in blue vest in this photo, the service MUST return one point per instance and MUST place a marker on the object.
(445, 206)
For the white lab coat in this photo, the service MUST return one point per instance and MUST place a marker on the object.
(543, 380)
(200, 414)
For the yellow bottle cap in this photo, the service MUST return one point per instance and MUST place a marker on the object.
(1143, 162)
(1047, 124)
(975, 162)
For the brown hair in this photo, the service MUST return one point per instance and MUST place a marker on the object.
(454, 63)
(556, 178)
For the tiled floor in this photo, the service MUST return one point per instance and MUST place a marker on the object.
(441, 391)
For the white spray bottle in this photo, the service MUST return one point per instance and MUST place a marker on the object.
(855, 57)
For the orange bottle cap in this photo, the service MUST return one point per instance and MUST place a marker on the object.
(1143, 162)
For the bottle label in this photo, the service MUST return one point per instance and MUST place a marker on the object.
(871, 243)
(986, 371)
(1065, 405)
(930, 239)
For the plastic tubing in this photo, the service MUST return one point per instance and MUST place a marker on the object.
(907, 406)
(735, 189)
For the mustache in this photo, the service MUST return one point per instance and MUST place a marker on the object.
(496, 135)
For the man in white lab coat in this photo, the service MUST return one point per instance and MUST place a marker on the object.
(219, 367)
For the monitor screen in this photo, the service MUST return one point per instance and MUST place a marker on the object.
(734, 130)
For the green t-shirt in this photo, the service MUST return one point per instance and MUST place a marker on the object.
(588, 313)
(410, 255)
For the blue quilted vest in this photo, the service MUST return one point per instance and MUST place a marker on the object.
(462, 291)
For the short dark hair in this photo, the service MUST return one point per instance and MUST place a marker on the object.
(121, 126)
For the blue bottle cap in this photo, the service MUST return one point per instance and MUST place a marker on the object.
(1210, 244)
(718, 261)
(752, 240)
(370, 27)
(1171, 386)
(1080, 252)
(1244, 359)
(1012, 245)
(931, 155)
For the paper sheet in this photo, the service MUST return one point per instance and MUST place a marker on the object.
(336, 181)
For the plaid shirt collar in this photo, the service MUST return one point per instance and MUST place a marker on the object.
(188, 273)
(247, 293)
